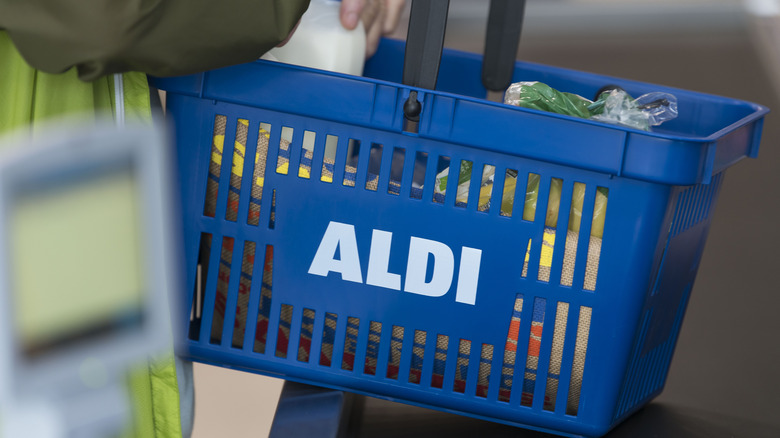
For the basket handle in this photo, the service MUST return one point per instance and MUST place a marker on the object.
(425, 42)
(505, 21)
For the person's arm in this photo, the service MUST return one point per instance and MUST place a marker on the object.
(158, 37)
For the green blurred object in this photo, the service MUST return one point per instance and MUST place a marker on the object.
(30, 97)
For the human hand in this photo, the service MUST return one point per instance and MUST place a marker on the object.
(380, 17)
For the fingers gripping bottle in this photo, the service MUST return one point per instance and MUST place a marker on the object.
(321, 42)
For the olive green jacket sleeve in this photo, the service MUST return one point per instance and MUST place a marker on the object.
(158, 37)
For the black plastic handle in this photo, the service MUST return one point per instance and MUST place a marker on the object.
(424, 45)
(505, 21)
(424, 42)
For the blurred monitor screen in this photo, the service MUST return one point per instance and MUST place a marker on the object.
(76, 259)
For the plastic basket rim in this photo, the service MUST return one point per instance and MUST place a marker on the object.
(759, 110)
(206, 87)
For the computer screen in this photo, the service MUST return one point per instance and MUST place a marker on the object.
(76, 259)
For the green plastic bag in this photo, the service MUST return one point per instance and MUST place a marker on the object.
(539, 96)
(613, 106)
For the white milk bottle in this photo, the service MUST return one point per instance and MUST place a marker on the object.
(322, 42)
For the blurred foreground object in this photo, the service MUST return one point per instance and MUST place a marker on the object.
(85, 262)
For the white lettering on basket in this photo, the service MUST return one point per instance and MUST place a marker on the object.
(340, 237)
(338, 252)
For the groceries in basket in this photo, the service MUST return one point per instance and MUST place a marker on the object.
(614, 105)
(531, 196)
(568, 243)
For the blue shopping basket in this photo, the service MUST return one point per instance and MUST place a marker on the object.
(323, 246)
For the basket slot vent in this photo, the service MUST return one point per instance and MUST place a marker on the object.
(462, 366)
(688, 203)
(272, 217)
(508, 193)
(350, 168)
(578, 364)
(418, 176)
(440, 361)
(534, 348)
(485, 361)
(442, 175)
(527, 258)
(529, 214)
(633, 381)
(510, 351)
(551, 222)
(531, 193)
(695, 205)
(706, 201)
(647, 373)
(692, 192)
(215, 166)
(418, 355)
(307, 152)
(237, 170)
(713, 194)
(258, 174)
(675, 227)
(486, 187)
(201, 279)
(697, 201)
(307, 331)
(394, 360)
(283, 335)
(547, 246)
(572, 235)
(464, 181)
(596, 230)
(374, 166)
(283, 158)
(244, 288)
(534, 353)
(372, 350)
(329, 158)
(699, 198)
(223, 280)
(264, 305)
(556, 356)
(328, 339)
(350, 343)
(396, 171)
